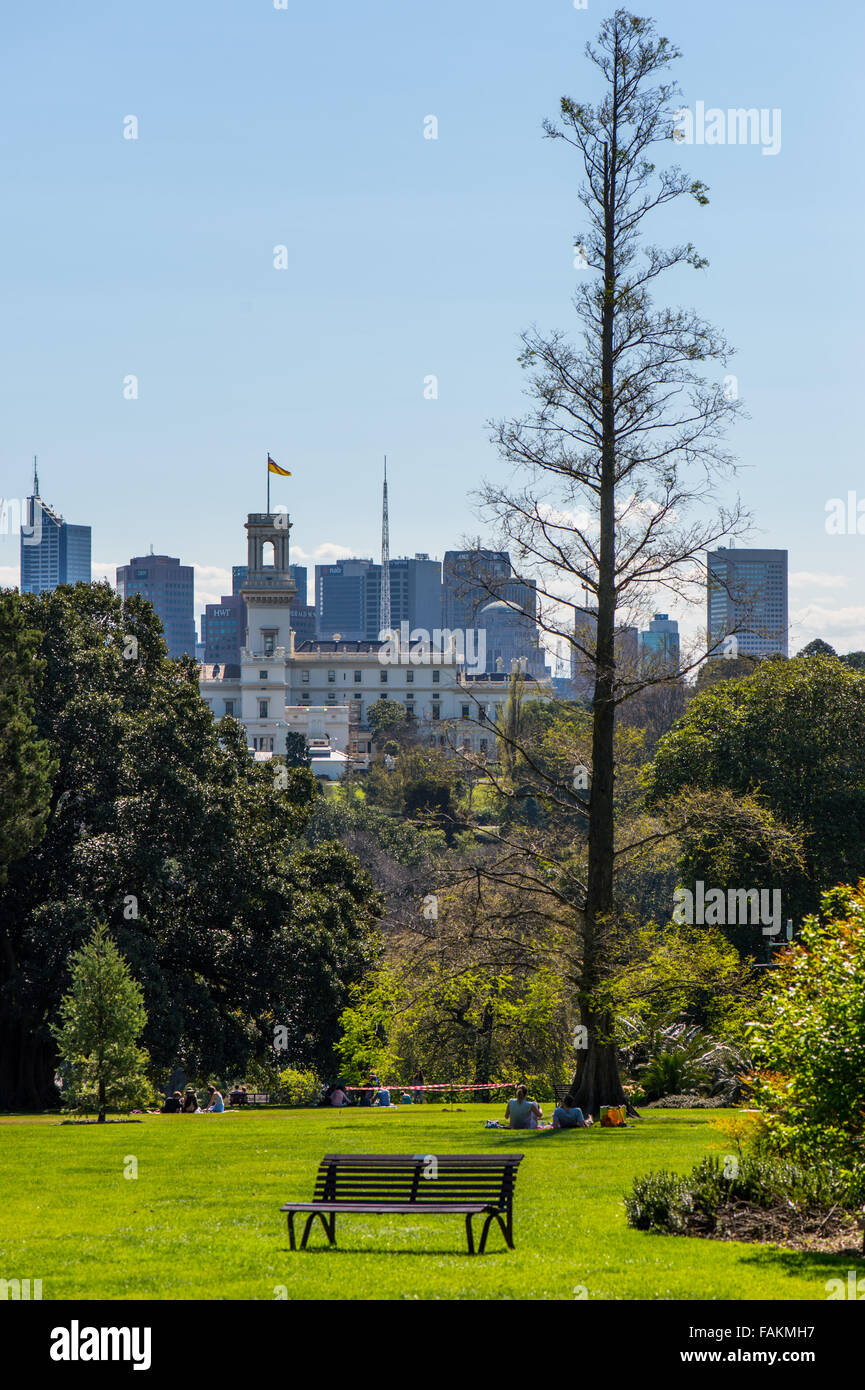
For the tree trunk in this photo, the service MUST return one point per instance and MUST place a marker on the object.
(101, 1116)
(597, 1078)
(597, 1081)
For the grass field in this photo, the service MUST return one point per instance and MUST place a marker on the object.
(202, 1218)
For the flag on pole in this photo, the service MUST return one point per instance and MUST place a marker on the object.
(275, 468)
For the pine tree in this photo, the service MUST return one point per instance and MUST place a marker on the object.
(102, 1018)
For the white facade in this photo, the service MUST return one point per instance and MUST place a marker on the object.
(324, 689)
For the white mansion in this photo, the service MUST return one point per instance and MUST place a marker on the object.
(323, 689)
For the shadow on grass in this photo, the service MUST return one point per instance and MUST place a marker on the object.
(805, 1263)
(383, 1250)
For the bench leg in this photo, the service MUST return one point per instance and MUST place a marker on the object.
(470, 1234)
(291, 1239)
(329, 1227)
(505, 1228)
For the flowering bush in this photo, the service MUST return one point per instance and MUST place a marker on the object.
(809, 1046)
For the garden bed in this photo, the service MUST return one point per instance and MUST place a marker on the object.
(835, 1231)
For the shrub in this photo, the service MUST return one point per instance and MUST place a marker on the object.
(284, 1085)
(296, 1087)
(809, 1047)
(671, 1072)
(666, 1203)
(655, 1203)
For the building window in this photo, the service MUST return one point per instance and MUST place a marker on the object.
(465, 711)
(435, 711)
(482, 713)
(358, 676)
(305, 696)
(483, 745)
(382, 675)
(304, 678)
(262, 708)
(436, 675)
(269, 643)
(229, 707)
(262, 675)
(331, 677)
(409, 677)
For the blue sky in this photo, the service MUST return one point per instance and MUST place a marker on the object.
(407, 257)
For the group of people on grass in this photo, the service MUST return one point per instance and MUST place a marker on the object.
(523, 1113)
(180, 1104)
(374, 1092)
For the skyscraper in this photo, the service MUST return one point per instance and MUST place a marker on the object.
(479, 582)
(169, 586)
(223, 630)
(52, 550)
(341, 600)
(349, 596)
(659, 645)
(746, 602)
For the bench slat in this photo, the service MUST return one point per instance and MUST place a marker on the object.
(400, 1208)
(380, 1184)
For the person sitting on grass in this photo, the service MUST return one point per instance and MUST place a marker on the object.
(337, 1096)
(217, 1104)
(382, 1096)
(522, 1113)
(569, 1116)
(172, 1104)
(368, 1097)
(190, 1102)
(237, 1096)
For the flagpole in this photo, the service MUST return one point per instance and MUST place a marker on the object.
(268, 484)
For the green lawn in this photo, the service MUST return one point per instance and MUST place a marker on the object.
(202, 1218)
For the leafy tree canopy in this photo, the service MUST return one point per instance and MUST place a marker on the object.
(162, 824)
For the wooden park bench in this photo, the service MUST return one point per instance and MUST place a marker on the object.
(251, 1098)
(466, 1185)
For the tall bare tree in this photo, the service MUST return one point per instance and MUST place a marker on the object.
(621, 449)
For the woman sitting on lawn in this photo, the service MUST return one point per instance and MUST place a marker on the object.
(190, 1102)
(523, 1113)
(569, 1116)
(217, 1104)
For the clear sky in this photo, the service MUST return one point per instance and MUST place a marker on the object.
(406, 257)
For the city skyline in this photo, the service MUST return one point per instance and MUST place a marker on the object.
(158, 346)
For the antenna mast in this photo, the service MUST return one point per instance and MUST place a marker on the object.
(384, 611)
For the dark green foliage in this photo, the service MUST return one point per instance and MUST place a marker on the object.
(101, 1019)
(163, 825)
(671, 1072)
(383, 715)
(296, 749)
(791, 738)
(26, 763)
